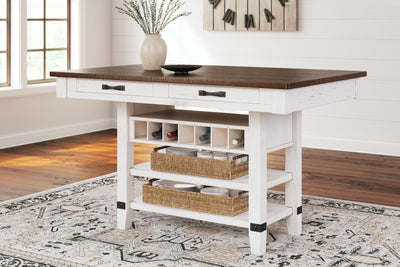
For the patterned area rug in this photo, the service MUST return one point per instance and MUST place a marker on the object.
(75, 226)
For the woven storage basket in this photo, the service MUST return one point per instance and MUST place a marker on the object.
(228, 206)
(222, 169)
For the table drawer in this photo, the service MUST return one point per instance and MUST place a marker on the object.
(114, 87)
(241, 95)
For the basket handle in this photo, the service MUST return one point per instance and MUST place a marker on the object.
(239, 157)
(241, 193)
(159, 148)
(152, 180)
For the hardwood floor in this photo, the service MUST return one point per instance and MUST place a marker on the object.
(351, 176)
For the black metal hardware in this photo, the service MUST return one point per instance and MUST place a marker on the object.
(218, 94)
(273, 237)
(282, 2)
(258, 227)
(299, 210)
(121, 205)
(109, 87)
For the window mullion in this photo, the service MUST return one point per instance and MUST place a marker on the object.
(69, 34)
(9, 42)
(48, 52)
(44, 40)
(23, 44)
(7, 50)
(17, 44)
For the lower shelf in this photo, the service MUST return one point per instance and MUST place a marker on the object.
(275, 177)
(275, 213)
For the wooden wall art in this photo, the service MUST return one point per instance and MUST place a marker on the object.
(250, 15)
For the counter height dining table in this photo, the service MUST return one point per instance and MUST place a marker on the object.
(264, 105)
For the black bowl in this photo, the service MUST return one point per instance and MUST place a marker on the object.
(181, 69)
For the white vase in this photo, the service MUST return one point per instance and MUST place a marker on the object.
(153, 52)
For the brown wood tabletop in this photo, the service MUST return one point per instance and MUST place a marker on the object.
(273, 78)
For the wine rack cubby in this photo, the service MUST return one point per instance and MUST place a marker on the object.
(202, 130)
(236, 138)
(203, 136)
(219, 138)
(154, 131)
(186, 134)
(140, 132)
(206, 130)
(170, 128)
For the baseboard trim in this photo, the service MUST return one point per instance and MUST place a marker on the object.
(351, 145)
(46, 134)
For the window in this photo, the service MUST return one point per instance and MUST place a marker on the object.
(5, 42)
(35, 38)
(48, 38)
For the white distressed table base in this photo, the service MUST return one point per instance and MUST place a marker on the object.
(274, 123)
(125, 163)
(293, 188)
(257, 182)
(259, 124)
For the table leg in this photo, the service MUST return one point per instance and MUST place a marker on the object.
(257, 182)
(125, 162)
(293, 191)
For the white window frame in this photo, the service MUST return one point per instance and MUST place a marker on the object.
(45, 49)
(18, 79)
(8, 44)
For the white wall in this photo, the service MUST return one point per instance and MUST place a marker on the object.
(31, 117)
(96, 35)
(341, 34)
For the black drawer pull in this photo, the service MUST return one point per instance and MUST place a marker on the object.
(218, 94)
(118, 87)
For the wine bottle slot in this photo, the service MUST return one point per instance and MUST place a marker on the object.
(238, 141)
(157, 134)
(204, 137)
(172, 134)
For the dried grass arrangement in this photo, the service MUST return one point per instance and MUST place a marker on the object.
(151, 16)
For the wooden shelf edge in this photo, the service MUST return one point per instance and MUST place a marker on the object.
(275, 177)
(275, 212)
(160, 143)
(279, 147)
(201, 118)
(144, 169)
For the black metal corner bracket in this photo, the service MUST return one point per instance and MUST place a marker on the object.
(299, 210)
(121, 205)
(258, 227)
